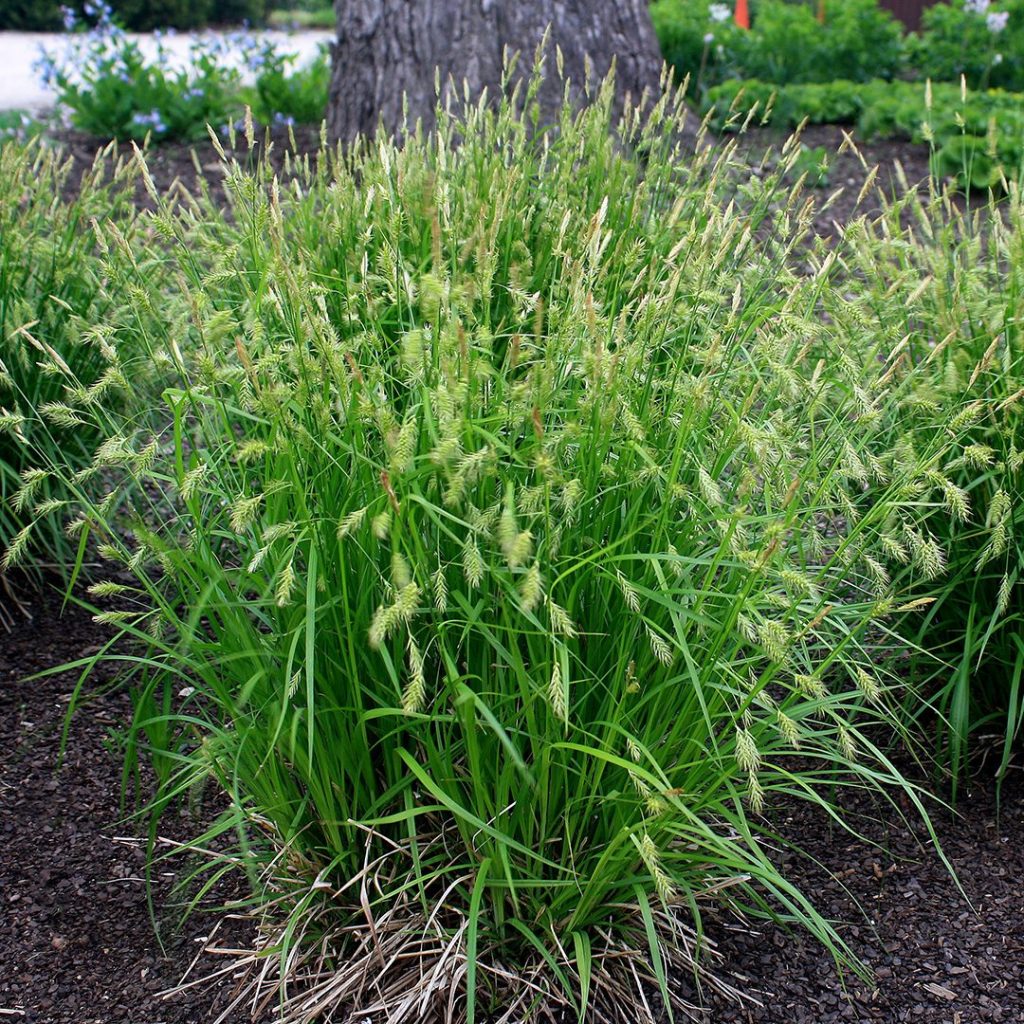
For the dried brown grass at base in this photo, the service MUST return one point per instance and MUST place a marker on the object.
(406, 965)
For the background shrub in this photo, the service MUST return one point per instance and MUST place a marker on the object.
(239, 12)
(958, 39)
(146, 15)
(30, 15)
(133, 15)
(786, 44)
(859, 41)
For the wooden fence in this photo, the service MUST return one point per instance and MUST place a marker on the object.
(908, 11)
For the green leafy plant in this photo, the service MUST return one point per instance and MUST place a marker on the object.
(980, 40)
(112, 90)
(512, 535)
(18, 125)
(284, 92)
(858, 41)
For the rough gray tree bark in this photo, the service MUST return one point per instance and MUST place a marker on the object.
(389, 49)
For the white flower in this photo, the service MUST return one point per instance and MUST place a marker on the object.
(997, 58)
(997, 20)
(722, 12)
(709, 38)
(976, 6)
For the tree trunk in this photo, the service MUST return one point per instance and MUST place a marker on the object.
(387, 52)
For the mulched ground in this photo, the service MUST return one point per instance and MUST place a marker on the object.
(77, 945)
(848, 170)
(169, 163)
(936, 955)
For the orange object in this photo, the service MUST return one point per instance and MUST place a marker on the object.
(742, 14)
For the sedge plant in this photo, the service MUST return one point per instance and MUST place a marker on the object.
(63, 347)
(509, 546)
(951, 300)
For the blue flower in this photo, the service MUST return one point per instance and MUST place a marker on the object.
(997, 20)
(154, 120)
(45, 66)
(69, 19)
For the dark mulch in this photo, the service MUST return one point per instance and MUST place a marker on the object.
(936, 956)
(848, 170)
(169, 163)
(77, 944)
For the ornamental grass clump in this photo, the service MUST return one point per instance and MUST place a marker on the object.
(510, 545)
(66, 354)
(952, 300)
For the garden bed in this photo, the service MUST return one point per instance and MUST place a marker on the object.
(79, 945)
(795, 692)
(170, 161)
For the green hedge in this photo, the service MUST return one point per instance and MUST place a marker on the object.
(136, 15)
(30, 15)
(146, 15)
